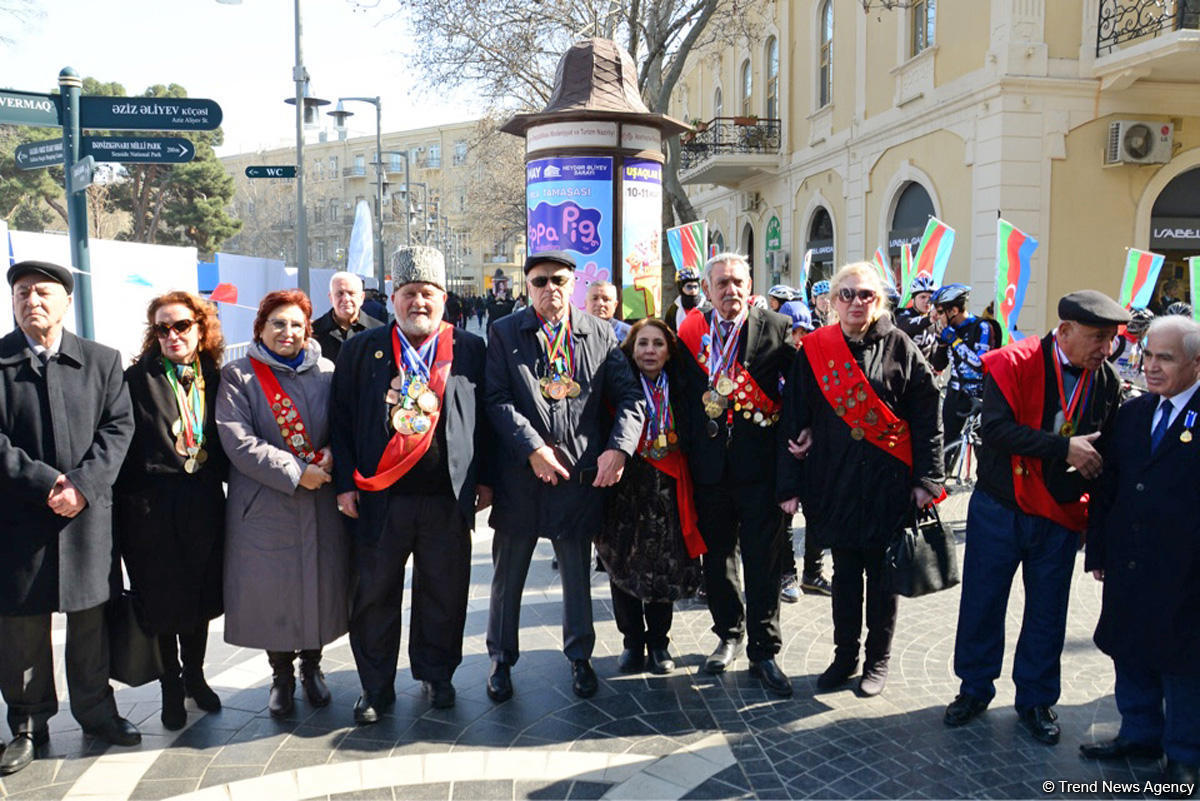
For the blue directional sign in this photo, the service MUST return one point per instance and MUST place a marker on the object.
(82, 175)
(28, 108)
(34, 155)
(147, 149)
(271, 171)
(149, 113)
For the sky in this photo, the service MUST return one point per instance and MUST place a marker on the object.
(241, 56)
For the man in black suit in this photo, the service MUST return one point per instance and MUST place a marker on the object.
(344, 318)
(408, 463)
(65, 425)
(1144, 544)
(738, 354)
(567, 412)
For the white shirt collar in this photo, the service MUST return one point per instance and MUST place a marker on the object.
(39, 348)
(1180, 400)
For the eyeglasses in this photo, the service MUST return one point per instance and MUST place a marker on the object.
(540, 281)
(163, 330)
(847, 295)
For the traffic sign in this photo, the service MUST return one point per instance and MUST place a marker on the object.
(271, 171)
(28, 108)
(148, 113)
(34, 155)
(81, 174)
(154, 149)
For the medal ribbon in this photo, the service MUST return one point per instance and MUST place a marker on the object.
(726, 348)
(275, 396)
(560, 347)
(658, 400)
(191, 403)
(415, 362)
(1083, 389)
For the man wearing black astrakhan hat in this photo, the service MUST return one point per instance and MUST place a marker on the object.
(1045, 403)
(567, 412)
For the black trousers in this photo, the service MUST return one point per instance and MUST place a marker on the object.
(644, 624)
(745, 516)
(431, 530)
(27, 670)
(189, 647)
(849, 565)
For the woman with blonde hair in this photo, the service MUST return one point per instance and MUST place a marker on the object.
(862, 413)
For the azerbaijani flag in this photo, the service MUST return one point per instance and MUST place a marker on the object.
(805, 266)
(907, 274)
(933, 254)
(1141, 273)
(1014, 248)
(1194, 268)
(883, 264)
(686, 243)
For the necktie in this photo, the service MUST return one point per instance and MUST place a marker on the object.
(1160, 429)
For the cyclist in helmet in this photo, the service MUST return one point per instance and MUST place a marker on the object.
(1180, 307)
(687, 282)
(820, 302)
(962, 339)
(916, 320)
(779, 295)
(1127, 345)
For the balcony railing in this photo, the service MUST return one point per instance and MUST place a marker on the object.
(355, 171)
(729, 136)
(1123, 21)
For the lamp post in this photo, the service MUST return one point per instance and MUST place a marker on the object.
(407, 222)
(340, 115)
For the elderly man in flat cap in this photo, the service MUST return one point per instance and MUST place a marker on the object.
(409, 466)
(1045, 403)
(65, 424)
(567, 412)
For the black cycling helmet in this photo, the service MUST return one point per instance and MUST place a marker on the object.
(951, 295)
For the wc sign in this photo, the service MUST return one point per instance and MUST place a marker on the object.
(272, 171)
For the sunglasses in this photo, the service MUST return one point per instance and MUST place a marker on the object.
(847, 295)
(540, 281)
(163, 330)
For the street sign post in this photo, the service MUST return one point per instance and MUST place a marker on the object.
(29, 108)
(149, 113)
(81, 175)
(158, 149)
(271, 171)
(35, 155)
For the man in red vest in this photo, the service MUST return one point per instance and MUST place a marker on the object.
(1045, 403)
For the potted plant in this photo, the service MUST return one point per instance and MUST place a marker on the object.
(751, 119)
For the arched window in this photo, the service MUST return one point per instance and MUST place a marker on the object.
(772, 78)
(825, 56)
(747, 89)
(718, 104)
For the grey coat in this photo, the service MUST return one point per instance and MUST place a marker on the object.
(69, 417)
(286, 548)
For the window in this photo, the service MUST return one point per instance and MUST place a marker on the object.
(772, 78)
(747, 89)
(318, 212)
(414, 157)
(923, 14)
(718, 104)
(460, 152)
(435, 155)
(825, 59)
(320, 251)
(333, 166)
(320, 170)
(360, 164)
(397, 162)
(333, 209)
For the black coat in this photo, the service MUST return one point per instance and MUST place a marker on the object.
(577, 428)
(747, 453)
(71, 416)
(361, 431)
(169, 524)
(331, 336)
(854, 494)
(1144, 533)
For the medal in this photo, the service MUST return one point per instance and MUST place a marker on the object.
(1186, 436)
(1067, 429)
(870, 418)
(672, 437)
(1073, 409)
(661, 442)
(840, 411)
(857, 433)
(415, 388)
(711, 428)
(725, 386)
(180, 445)
(420, 423)
(201, 456)
(177, 427)
(713, 410)
(573, 389)
(297, 440)
(190, 465)
(1189, 420)
(392, 397)
(851, 403)
(397, 383)
(556, 390)
(397, 418)
(427, 402)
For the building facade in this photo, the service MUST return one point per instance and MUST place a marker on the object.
(842, 131)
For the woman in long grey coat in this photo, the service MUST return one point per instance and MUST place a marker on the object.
(286, 551)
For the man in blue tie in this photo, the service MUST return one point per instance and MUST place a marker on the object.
(1144, 544)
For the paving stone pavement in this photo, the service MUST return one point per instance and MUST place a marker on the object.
(688, 735)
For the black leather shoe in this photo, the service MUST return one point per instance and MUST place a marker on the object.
(20, 751)
(773, 679)
(837, 674)
(115, 731)
(198, 690)
(963, 708)
(1116, 748)
(874, 678)
(173, 715)
(723, 657)
(583, 679)
(1178, 773)
(441, 693)
(366, 711)
(499, 683)
(659, 661)
(632, 661)
(313, 680)
(1040, 722)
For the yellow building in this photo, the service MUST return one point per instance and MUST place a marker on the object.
(1076, 120)
(341, 172)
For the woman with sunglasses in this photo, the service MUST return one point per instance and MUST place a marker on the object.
(287, 553)
(169, 503)
(650, 543)
(864, 450)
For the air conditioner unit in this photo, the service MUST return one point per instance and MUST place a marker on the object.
(1139, 142)
(749, 201)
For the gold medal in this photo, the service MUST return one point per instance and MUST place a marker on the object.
(190, 465)
(840, 411)
(725, 385)
(1067, 429)
(201, 456)
(401, 421)
(1019, 470)
(713, 410)
(397, 417)
(661, 441)
(857, 433)
(557, 390)
(287, 402)
(573, 389)
(1186, 436)
(427, 402)
(415, 388)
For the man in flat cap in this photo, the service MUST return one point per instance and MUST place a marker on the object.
(65, 424)
(410, 469)
(567, 412)
(1045, 403)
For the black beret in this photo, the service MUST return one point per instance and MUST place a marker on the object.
(556, 256)
(54, 272)
(1090, 307)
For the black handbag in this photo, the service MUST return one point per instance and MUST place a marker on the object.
(133, 656)
(922, 557)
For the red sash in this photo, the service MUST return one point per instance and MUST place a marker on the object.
(748, 397)
(1019, 371)
(846, 388)
(675, 465)
(287, 416)
(405, 450)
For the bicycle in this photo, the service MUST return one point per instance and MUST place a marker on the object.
(959, 454)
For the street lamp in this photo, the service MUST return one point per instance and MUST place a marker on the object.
(340, 115)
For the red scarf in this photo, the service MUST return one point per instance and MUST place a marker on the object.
(287, 416)
(748, 397)
(675, 465)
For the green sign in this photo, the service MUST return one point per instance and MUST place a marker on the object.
(34, 155)
(271, 171)
(774, 235)
(28, 108)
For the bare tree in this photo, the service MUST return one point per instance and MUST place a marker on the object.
(16, 15)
